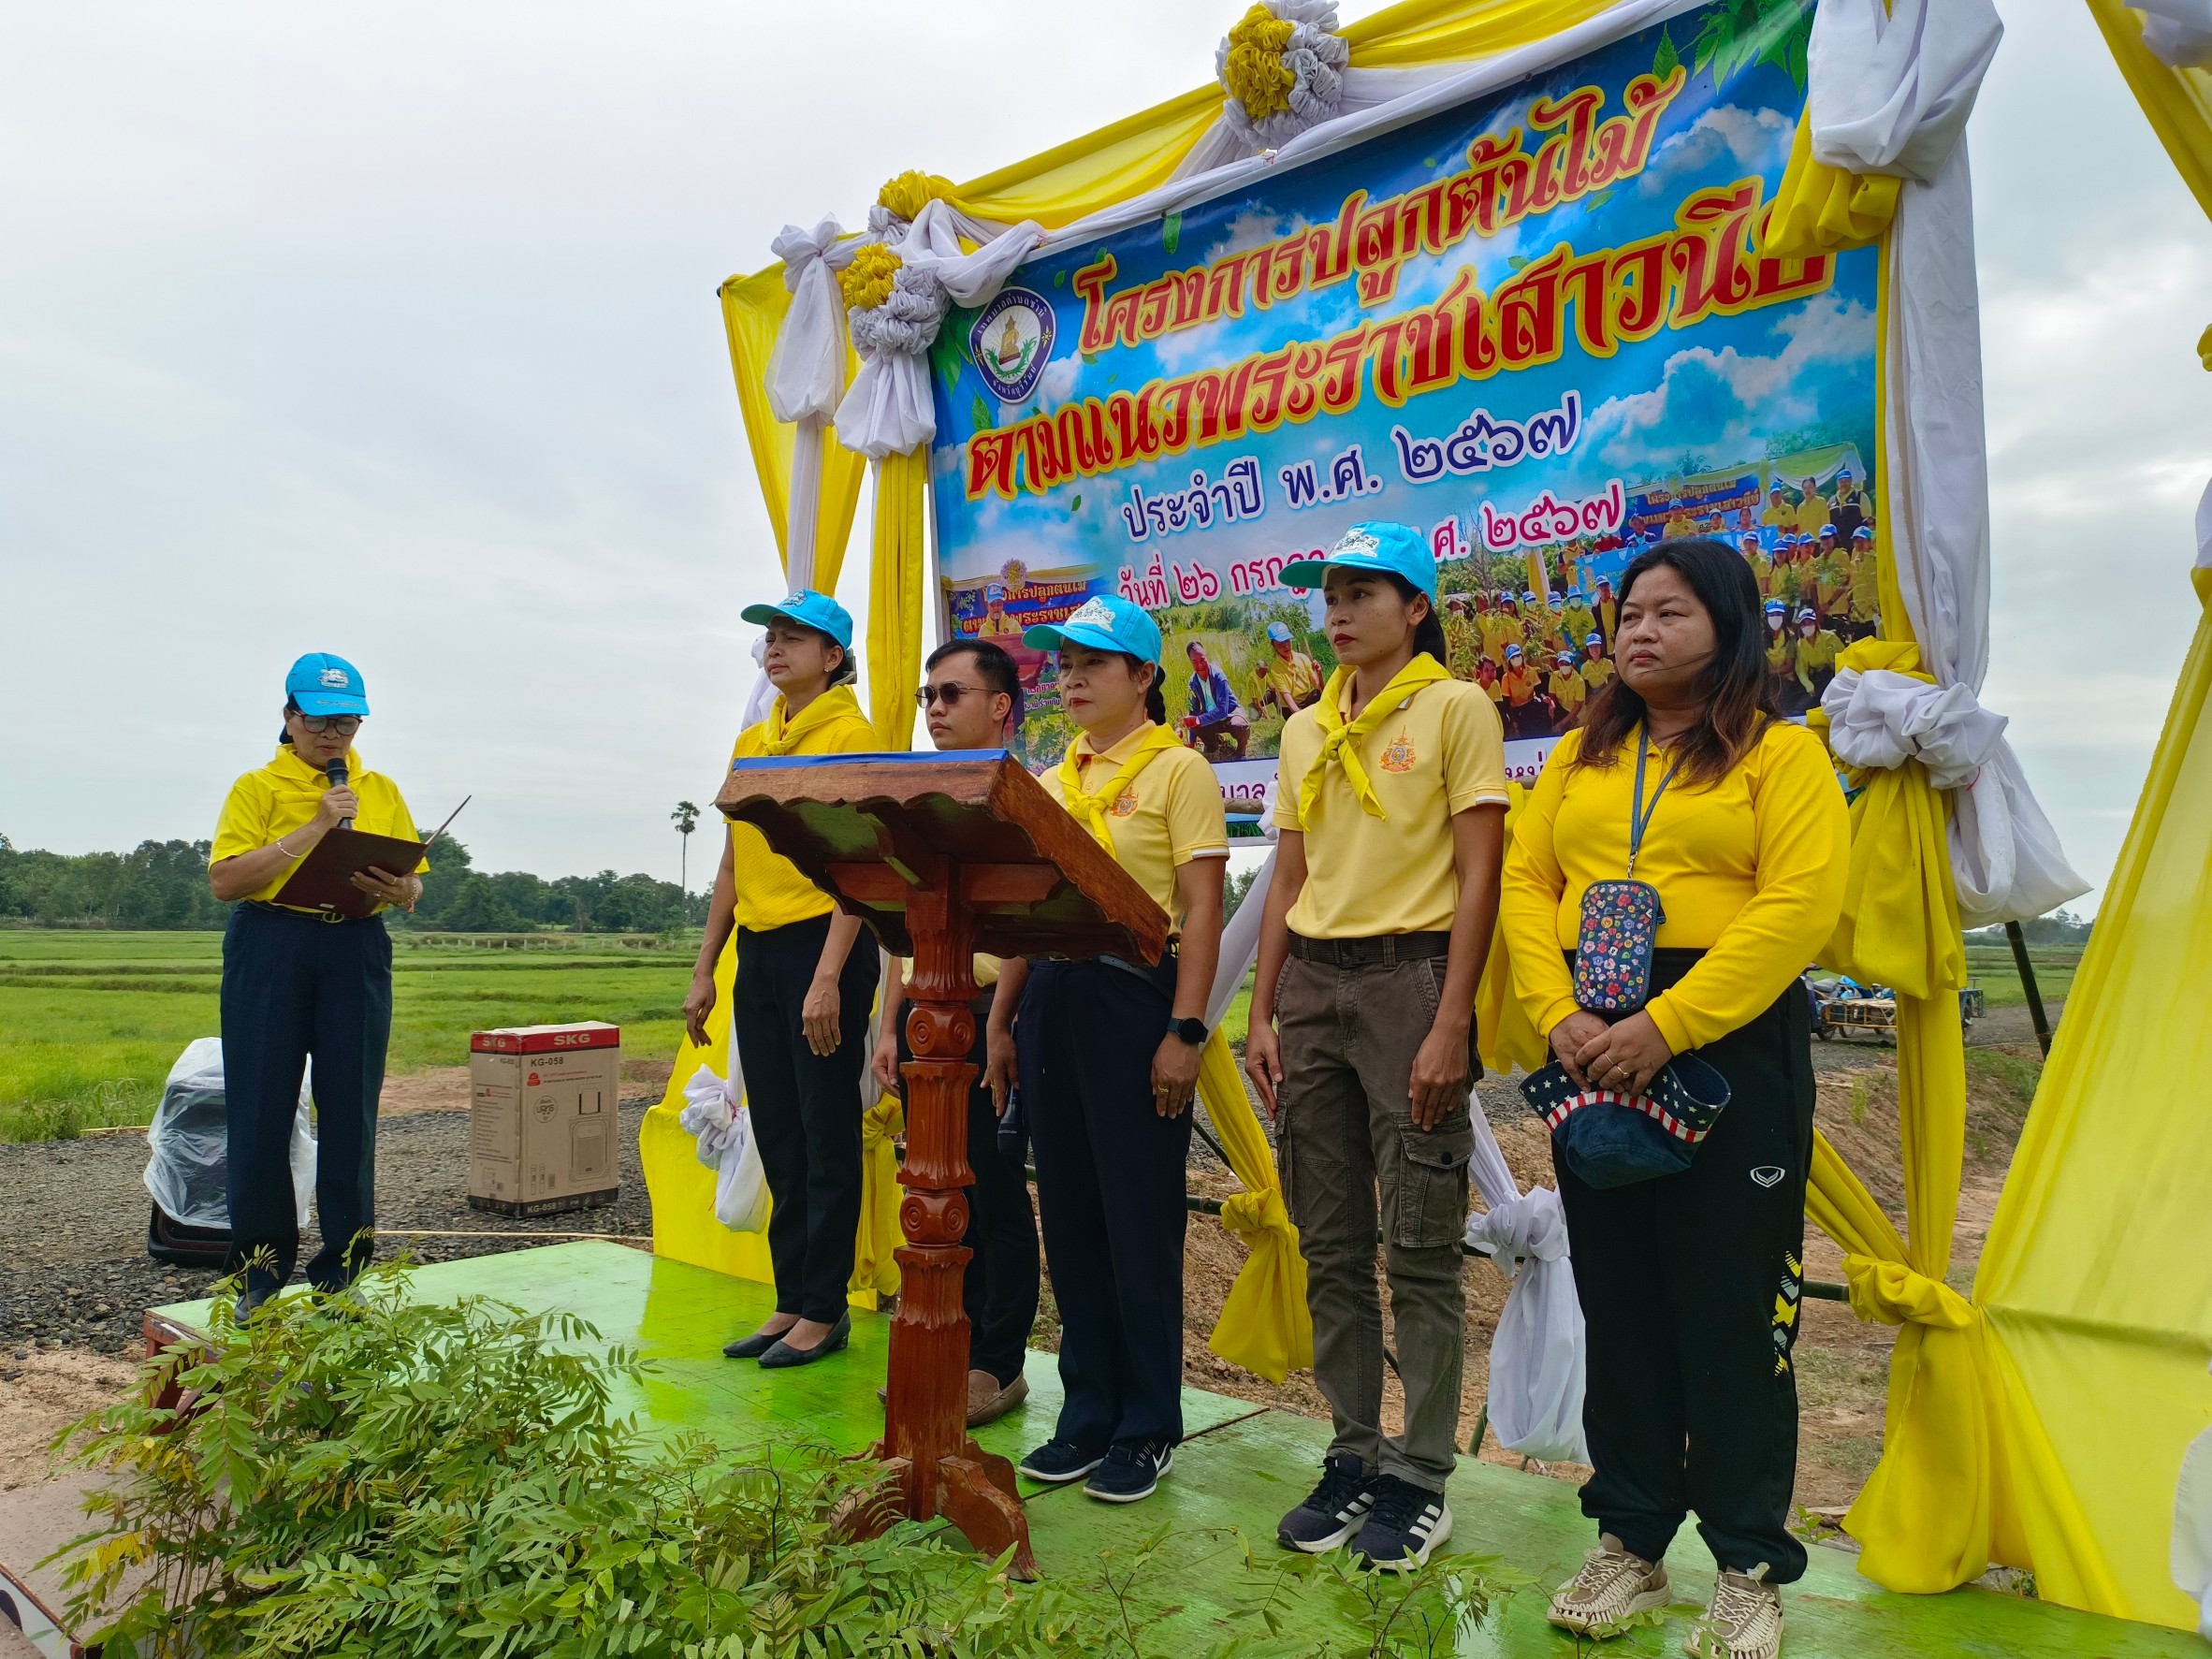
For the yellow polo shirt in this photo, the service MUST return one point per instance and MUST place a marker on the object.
(1568, 688)
(1750, 870)
(1294, 677)
(1595, 671)
(1866, 585)
(771, 891)
(1170, 814)
(1364, 875)
(266, 806)
(999, 627)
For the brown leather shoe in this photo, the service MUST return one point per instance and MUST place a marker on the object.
(987, 1402)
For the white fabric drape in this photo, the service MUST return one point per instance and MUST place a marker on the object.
(1889, 90)
(2190, 1555)
(2177, 32)
(806, 375)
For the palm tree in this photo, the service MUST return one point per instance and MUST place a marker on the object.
(686, 818)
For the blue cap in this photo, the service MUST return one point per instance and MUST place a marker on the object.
(1862, 534)
(1394, 549)
(1595, 639)
(323, 684)
(1776, 609)
(1513, 653)
(1828, 530)
(1564, 660)
(1805, 614)
(1279, 632)
(808, 609)
(1104, 622)
(994, 595)
(1556, 601)
(1529, 598)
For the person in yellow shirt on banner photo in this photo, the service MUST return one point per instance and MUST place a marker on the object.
(806, 985)
(1762, 567)
(1361, 1039)
(1501, 628)
(1812, 508)
(1779, 514)
(1596, 667)
(1607, 609)
(1677, 859)
(1575, 618)
(1862, 601)
(1486, 675)
(1289, 679)
(1782, 673)
(1463, 646)
(1812, 659)
(995, 624)
(971, 698)
(1523, 716)
(1566, 689)
(1107, 1055)
(301, 986)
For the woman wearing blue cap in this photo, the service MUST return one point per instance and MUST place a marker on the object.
(802, 998)
(1107, 1053)
(1390, 809)
(301, 985)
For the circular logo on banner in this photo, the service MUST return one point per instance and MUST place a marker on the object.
(1011, 342)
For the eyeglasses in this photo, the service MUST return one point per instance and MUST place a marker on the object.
(949, 693)
(345, 725)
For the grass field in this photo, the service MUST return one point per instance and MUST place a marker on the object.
(90, 1023)
(1991, 967)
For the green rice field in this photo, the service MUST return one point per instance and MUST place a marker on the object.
(1991, 967)
(90, 1022)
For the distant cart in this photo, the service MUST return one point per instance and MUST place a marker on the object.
(1841, 1007)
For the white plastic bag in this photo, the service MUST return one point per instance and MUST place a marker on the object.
(723, 1126)
(189, 1139)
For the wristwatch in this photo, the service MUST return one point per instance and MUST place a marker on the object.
(1190, 1031)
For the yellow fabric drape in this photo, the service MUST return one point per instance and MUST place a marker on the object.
(1819, 208)
(1265, 1325)
(1501, 1029)
(897, 566)
(2176, 102)
(752, 311)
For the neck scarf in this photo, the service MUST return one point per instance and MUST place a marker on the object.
(1339, 740)
(784, 735)
(1089, 808)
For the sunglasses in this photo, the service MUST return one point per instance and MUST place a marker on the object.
(948, 693)
(345, 725)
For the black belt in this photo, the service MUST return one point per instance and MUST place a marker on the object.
(1384, 950)
(262, 904)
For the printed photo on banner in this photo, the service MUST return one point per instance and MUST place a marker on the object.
(1541, 327)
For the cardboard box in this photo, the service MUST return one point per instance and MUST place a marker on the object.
(542, 1133)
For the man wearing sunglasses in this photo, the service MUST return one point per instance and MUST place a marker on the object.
(300, 985)
(973, 700)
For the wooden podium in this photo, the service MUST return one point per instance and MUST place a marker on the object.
(943, 855)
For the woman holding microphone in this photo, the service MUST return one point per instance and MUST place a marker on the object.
(1108, 1052)
(1682, 779)
(802, 998)
(1390, 813)
(305, 985)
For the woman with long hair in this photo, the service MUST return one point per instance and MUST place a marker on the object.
(802, 999)
(1390, 812)
(1684, 778)
(1107, 1052)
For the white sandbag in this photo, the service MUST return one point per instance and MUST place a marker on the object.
(722, 1126)
(187, 1171)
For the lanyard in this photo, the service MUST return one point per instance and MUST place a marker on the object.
(1639, 815)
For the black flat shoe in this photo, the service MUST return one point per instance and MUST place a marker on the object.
(783, 1354)
(754, 1347)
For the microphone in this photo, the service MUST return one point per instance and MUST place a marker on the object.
(338, 775)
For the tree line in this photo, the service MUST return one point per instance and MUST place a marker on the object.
(163, 886)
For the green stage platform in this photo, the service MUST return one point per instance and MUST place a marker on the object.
(1241, 1466)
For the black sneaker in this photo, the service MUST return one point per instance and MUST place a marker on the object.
(1334, 1513)
(1131, 1471)
(1406, 1526)
(1057, 1461)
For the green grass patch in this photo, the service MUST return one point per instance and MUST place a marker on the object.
(1991, 967)
(90, 1022)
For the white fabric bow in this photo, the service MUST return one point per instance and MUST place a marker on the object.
(2177, 32)
(807, 368)
(1535, 1356)
(1883, 720)
(1888, 91)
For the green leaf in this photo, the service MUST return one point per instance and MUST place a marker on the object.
(1518, 261)
(1171, 230)
(979, 413)
(1666, 60)
(1060, 278)
(1075, 505)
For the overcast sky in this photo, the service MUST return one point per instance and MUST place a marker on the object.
(392, 332)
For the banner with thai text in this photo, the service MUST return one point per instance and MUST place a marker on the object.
(1540, 328)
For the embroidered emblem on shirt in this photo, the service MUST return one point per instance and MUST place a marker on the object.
(1768, 1175)
(1124, 803)
(1399, 756)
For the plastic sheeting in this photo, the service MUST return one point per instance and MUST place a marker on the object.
(189, 1141)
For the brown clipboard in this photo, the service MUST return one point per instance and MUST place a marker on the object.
(324, 879)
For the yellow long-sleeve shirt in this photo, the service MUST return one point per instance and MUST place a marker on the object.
(1749, 871)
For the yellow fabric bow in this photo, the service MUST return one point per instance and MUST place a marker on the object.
(1338, 739)
(1091, 808)
(784, 735)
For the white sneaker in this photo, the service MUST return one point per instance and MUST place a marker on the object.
(1610, 1590)
(1743, 1621)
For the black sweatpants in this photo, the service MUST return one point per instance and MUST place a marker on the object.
(805, 1107)
(1110, 1191)
(296, 988)
(999, 1290)
(1690, 1287)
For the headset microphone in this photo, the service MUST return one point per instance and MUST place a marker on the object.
(338, 775)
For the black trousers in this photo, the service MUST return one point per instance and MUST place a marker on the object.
(999, 1290)
(1690, 1287)
(805, 1107)
(1110, 1191)
(296, 989)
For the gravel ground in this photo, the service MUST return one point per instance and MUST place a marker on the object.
(74, 1271)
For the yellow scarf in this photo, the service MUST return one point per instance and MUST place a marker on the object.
(781, 737)
(1091, 808)
(1338, 740)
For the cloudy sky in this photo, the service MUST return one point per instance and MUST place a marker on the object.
(392, 332)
